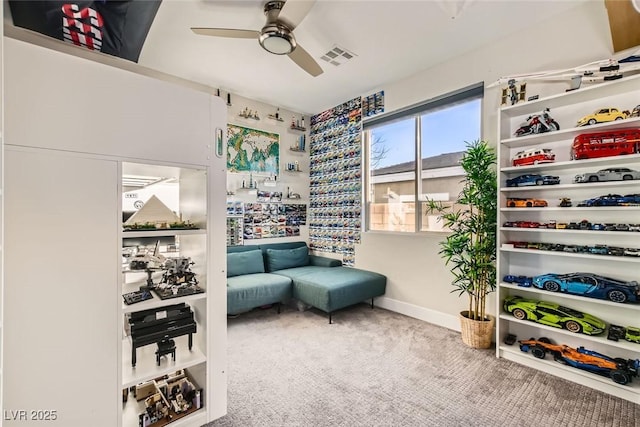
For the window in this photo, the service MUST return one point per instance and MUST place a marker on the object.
(438, 130)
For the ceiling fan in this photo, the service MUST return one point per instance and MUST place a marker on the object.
(277, 34)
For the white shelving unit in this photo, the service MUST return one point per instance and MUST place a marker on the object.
(566, 109)
(190, 187)
(67, 347)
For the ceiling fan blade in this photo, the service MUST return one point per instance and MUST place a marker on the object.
(305, 61)
(294, 11)
(227, 32)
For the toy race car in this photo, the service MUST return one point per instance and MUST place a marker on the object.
(554, 315)
(526, 203)
(524, 281)
(532, 179)
(619, 370)
(589, 285)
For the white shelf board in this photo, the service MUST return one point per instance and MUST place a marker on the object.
(569, 133)
(146, 367)
(541, 292)
(570, 230)
(602, 338)
(132, 408)
(629, 392)
(574, 208)
(607, 258)
(162, 233)
(156, 302)
(606, 184)
(585, 93)
(573, 164)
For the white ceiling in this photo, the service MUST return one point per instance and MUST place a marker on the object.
(392, 39)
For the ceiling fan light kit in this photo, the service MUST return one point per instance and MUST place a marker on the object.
(277, 34)
(277, 39)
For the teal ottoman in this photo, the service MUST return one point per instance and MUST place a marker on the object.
(330, 289)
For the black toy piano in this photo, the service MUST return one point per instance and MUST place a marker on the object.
(154, 325)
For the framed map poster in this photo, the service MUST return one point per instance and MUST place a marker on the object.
(251, 150)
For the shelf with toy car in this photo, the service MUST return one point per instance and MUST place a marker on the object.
(567, 230)
(569, 133)
(589, 186)
(573, 164)
(630, 392)
(593, 302)
(573, 254)
(601, 338)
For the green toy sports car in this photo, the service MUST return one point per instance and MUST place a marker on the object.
(550, 314)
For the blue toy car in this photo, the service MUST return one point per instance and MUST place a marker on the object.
(532, 179)
(523, 281)
(629, 199)
(606, 200)
(589, 285)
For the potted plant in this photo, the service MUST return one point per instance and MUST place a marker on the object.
(470, 248)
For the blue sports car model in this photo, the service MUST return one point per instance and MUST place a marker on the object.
(523, 281)
(532, 179)
(606, 200)
(629, 199)
(589, 285)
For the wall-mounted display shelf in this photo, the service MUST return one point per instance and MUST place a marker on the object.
(519, 251)
(296, 127)
(276, 118)
(297, 150)
(249, 114)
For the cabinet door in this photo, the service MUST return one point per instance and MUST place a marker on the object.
(61, 266)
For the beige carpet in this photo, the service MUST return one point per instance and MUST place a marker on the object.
(379, 368)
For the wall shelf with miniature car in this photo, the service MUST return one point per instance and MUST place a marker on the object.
(277, 118)
(296, 127)
(566, 231)
(297, 150)
(607, 184)
(573, 208)
(571, 150)
(542, 294)
(601, 338)
(629, 391)
(569, 133)
(573, 164)
(558, 253)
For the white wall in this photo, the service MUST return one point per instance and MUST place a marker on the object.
(296, 182)
(418, 282)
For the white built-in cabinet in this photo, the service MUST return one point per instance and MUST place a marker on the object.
(67, 347)
(566, 109)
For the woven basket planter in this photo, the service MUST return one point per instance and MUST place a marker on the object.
(476, 333)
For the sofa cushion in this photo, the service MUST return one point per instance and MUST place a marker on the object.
(333, 288)
(255, 290)
(248, 262)
(280, 259)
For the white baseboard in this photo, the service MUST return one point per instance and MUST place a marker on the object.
(426, 314)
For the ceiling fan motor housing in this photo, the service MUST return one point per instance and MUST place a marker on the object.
(275, 37)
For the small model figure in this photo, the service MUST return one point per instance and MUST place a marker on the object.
(512, 93)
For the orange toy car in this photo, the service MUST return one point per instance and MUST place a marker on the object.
(619, 370)
(526, 203)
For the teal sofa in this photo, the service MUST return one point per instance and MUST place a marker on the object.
(260, 275)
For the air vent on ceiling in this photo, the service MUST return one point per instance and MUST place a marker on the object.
(337, 56)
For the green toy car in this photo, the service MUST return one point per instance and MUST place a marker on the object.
(632, 334)
(555, 315)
